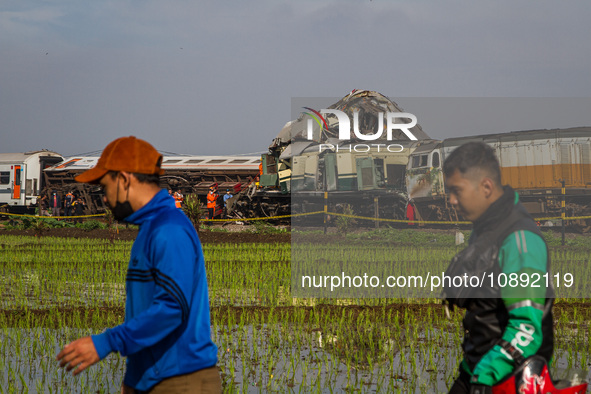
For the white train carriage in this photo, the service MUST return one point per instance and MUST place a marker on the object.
(21, 177)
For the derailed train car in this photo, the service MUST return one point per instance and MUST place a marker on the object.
(378, 177)
(188, 174)
(296, 172)
(533, 162)
(370, 176)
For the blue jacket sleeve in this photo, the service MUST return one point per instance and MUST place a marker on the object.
(173, 255)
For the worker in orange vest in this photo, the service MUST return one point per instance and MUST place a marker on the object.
(212, 198)
(178, 198)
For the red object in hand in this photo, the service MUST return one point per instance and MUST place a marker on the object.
(533, 377)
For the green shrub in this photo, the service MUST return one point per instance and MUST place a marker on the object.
(345, 224)
(193, 210)
(91, 225)
(263, 227)
(54, 223)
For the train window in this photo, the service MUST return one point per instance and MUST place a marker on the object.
(424, 159)
(395, 175)
(367, 177)
(194, 161)
(216, 161)
(435, 159)
(4, 178)
(238, 161)
(379, 167)
(420, 161)
(17, 176)
(171, 161)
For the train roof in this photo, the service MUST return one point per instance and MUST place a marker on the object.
(22, 157)
(426, 146)
(223, 162)
(523, 135)
(83, 163)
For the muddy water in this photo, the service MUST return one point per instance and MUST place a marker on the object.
(261, 358)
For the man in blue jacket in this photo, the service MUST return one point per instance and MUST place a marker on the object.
(166, 334)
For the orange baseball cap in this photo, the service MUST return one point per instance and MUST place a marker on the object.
(127, 154)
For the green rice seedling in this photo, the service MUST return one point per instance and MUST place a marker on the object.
(60, 288)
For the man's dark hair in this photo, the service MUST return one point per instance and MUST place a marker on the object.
(142, 178)
(473, 155)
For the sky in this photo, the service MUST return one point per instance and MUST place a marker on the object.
(218, 78)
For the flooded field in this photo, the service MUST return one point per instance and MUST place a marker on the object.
(55, 290)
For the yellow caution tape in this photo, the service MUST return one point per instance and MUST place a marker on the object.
(441, 221)
(302, 214)
(265, 218)
(578, 217)
(335, 214)
(566, 218)
(373, 218)
(398, 220)
(51, 217)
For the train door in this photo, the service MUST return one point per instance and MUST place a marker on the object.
(5, 185)
(311, 173)
(269, 175)
(16, 186)
(298, 171)
(370, 173)
(346, 172)
(331, 171)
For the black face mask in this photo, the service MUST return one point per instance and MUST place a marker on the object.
(121, 210)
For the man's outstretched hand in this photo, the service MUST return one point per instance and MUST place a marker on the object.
(79, 354)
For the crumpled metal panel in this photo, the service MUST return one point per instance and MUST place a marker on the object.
(295, 149)
(367, 103)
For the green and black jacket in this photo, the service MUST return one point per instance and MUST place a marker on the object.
(519, 315)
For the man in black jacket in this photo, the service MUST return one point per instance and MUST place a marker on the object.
(77, 209)
(506, 320)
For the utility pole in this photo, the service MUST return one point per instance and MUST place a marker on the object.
(325, 209)
(376, 211)
(563, 211)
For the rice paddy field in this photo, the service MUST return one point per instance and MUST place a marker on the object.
(54, 290)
